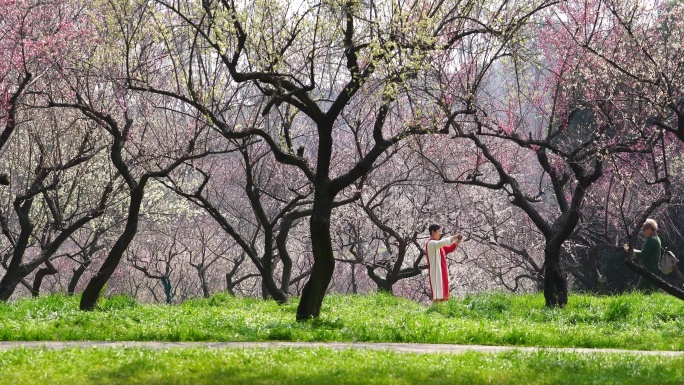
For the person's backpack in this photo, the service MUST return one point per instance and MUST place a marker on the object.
(667, 262)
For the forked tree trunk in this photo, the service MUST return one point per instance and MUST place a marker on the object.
(14, 273)
(385, 285)
(49, 269)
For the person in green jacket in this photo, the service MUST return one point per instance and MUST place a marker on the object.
(649, 255)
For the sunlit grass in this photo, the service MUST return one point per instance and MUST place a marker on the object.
(325, 366)
(630, 321)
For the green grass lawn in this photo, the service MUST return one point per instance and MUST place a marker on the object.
(632, 321)
(325, 366)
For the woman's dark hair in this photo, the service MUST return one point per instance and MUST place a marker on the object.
(434, 227)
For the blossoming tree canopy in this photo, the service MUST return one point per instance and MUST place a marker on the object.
(360, 74)
(637, 45)
(35, 38)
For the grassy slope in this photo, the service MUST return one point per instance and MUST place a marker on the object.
(323, 366)
(632, 321)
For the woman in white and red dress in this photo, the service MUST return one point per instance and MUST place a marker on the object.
(436, 250)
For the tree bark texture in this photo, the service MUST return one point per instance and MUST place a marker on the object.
(324, 262)
(97, 283)
(78, 273)
(555, 280)
(49, 269)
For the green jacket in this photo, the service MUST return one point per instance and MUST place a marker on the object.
(649, 256)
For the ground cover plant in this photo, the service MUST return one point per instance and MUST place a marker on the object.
(630, 321)
(325, 366)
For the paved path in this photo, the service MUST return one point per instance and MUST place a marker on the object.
(398, 347)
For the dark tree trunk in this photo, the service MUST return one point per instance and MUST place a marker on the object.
(87, 260)
(97, 283)
(555, 280)
(78, 273)
(324, 262)
(271, 288)
(49, 269)
(17, 270)
(268, 282)
(281, 244)
(10, 280)
(230, 285)
(266, 273)
(203, 282)
(14, 274)
(264, 290)
(384, 285)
